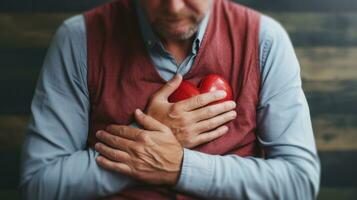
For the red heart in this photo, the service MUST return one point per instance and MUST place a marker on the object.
(209, 83)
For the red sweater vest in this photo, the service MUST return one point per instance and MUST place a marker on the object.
(122, 77)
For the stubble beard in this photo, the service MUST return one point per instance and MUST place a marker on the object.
(192, 30)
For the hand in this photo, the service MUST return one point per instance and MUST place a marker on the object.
(152, 155)
(192, 121)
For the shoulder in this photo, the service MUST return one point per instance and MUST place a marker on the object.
(70, 41)
(72, 29)
(273, 39)
(270, 29)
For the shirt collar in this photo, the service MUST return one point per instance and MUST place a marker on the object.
(152, 40)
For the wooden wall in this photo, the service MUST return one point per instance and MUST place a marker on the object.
(324, 33)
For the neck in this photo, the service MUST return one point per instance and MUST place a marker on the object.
(180, 49)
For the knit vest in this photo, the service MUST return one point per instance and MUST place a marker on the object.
(122, 76)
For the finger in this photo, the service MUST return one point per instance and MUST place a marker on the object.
(112, 154)
(114, 140)
(114, 166)
(212, 111)
(201, 100)
(127, 132)
(211, 135)
(166, 90)
(214, 122)
(148, 122)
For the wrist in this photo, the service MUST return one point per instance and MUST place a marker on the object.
(173, 176)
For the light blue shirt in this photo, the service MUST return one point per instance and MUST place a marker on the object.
(56, 164)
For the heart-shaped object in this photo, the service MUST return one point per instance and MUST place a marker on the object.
(209, 83)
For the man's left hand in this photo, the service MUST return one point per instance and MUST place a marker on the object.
(152, 155)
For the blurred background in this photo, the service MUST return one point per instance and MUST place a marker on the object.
(324, 33)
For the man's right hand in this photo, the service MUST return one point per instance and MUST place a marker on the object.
(192, 121)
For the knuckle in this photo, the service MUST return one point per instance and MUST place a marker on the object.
(210, 111)
(122, 130)
(213, 135)
(115, 156)
(174, 110)
(170, 85)
(110, 128)
(135, 149)
(189, 143)
(232, 114)
(116, 168)
(175, 116)
(140, 149)
(199, 100)
(144, 137)
(115, 140)
(227, 106)
(211, 124)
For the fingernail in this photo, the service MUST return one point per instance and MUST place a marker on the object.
(220, 94)
(234, 114)
(138, 112)
(233, 104)
(225, 129)
(98, 133)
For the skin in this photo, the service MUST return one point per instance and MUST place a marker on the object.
(176, 22)
(154, 153)
(192, 121)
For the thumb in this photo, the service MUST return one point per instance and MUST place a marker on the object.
(170, 87)
(147, 121)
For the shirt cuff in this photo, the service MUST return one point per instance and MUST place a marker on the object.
(196, 172)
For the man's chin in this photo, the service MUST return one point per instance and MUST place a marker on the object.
(178, 34)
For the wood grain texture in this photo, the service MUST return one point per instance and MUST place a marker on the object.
(269, 5)
(306, 29)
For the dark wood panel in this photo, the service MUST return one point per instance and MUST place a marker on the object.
(10, 194)
(16, 96)
(327, 64)
(15, 5)
(340, 101)
(267, 5)
(335, 132)
(13, 130)
(302, 5)
(23, 57)
(10, 165)
(48, 5)
(29, 30)
(338, 169)
(305, 29)
(332, 193)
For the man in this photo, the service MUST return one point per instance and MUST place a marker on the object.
(111, 63)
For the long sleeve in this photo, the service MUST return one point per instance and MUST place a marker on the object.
(291, 169)
(55, 161)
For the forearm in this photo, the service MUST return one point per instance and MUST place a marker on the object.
(75, 176)
(234, 177)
